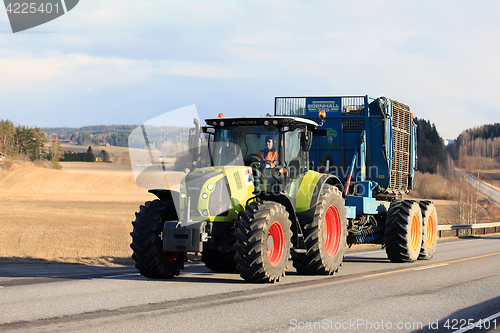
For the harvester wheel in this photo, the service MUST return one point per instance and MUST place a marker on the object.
(429, 230)
(263, 242)
(403, 231)
(325, 237)
(219, 261)
(149, 257)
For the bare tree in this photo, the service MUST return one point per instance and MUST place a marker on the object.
(468, 208)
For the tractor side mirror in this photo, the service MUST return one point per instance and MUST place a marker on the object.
(305, 141)
(195, 141)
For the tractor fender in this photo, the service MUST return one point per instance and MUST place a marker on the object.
(166, 195)
(334, 181)
(282, 199)
(309, 192)
(287, 202)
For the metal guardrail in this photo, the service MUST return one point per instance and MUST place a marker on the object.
(458, 227)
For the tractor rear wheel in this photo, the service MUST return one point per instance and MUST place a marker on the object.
(429, 230)
(149, 257)
(325, 237)
(219, 261)
(263, 242)
(403, 231)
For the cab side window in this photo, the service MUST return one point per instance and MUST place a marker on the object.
(294, 157)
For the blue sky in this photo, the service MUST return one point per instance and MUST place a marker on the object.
(127, 61)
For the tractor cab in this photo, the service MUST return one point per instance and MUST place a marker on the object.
(276, 148)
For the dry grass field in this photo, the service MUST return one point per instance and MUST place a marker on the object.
(82, 213)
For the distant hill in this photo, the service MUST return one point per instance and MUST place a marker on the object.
(489, 131)
(115, 135)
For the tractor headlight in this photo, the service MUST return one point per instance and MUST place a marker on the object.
(204, 196)
(205, 212)
(210, 187)
(183, 195)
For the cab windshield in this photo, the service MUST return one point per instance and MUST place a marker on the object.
(239, 144)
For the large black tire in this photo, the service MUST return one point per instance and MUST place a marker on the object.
(263, 242)
(429, 230)
(148, 254)
(219, 261)
(325, 237)
(403, 231)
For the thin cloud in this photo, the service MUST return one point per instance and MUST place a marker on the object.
(114, 70)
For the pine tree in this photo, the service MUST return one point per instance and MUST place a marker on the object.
(430, 147)
(89, 157)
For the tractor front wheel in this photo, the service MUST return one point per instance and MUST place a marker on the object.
(325, 237)
(263, 242)
(149, 257)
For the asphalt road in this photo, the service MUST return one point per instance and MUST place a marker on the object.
(489, 191)
(482, 187)
(459, 286)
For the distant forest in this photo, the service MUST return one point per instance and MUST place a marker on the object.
(21, 140)
(166, 138)
(115, 135)
(478, 147)
(170, 140)
(431, 153)
(475, 148)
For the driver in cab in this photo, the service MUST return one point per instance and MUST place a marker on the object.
(269, 154)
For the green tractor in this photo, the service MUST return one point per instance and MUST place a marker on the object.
(249, 203)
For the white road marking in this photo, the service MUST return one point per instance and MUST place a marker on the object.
(121, 275)
(482, 321)
(371, 252)
(422, 268)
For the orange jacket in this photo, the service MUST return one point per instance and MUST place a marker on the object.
(269, 156)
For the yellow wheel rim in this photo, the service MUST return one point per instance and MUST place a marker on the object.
(430, 231)
(415, 229)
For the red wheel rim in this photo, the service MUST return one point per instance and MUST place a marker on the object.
(430, 231)
(275, 243)
(332, 231)
(415, 229)
(171, 256)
